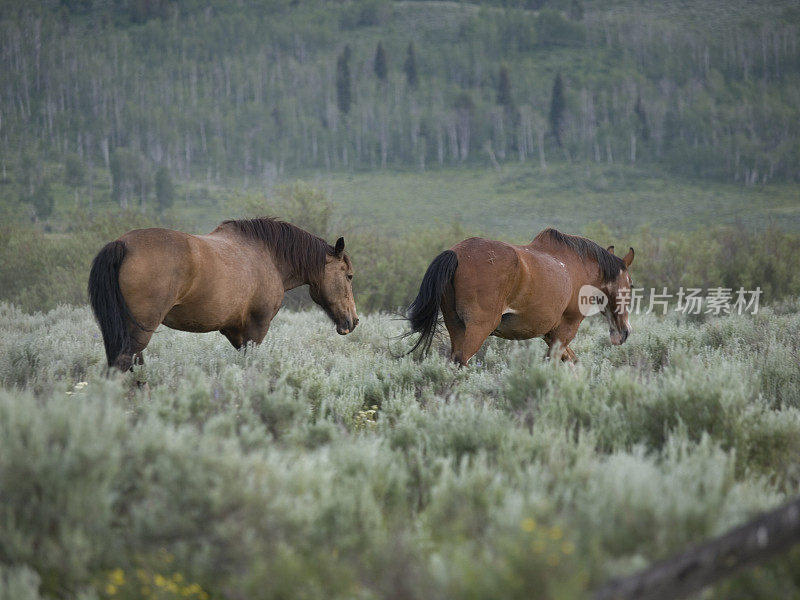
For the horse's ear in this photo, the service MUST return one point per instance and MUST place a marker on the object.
(628, 258)
(339, 248)
(610, 249)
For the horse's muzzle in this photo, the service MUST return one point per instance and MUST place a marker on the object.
(347, 326)
(619, 337)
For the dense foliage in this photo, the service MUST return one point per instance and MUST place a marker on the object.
(317, 466)
(218, 89)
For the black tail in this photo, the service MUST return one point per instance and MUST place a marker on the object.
(108, 305)
(424, 310)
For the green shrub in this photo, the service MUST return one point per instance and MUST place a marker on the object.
(317, 465)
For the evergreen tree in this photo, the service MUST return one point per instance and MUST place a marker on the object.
(165, 190)
(380, 63)
(42, 200)
(557, 108)
(576, 10)
(504, 88)
(141, 11)
(410, 67)
(343, 93)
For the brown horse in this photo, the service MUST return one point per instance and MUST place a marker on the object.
(485, 287)
(231, 280)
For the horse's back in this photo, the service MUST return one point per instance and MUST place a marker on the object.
(232, 280)
(500, 268)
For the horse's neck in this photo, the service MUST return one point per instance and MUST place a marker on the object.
(582, 271)
(290, 279)
(591, 273)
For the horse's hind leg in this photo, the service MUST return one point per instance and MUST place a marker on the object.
(455, 326)
(149, 316)
(133, 355)
(475, 333)
(469, 327)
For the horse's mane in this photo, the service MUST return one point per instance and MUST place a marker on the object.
(296, 248)
(610, 264)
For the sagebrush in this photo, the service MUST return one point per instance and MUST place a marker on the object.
(318, 466)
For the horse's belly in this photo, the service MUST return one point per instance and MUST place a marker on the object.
(513, 327)
(191, 320)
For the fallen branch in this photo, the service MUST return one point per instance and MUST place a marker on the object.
(690, 571)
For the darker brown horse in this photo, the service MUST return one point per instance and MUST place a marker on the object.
(485, 287)
(231, 280)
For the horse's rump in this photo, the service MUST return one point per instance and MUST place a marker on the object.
(108, 304)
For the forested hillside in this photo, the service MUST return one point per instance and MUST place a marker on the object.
(261, 89)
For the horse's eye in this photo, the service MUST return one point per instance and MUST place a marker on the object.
(350, 277)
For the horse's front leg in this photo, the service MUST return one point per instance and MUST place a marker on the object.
(559, 338)
(250, 332)
(256, 330)
(235, 336)
(257, 325)
(568, 355)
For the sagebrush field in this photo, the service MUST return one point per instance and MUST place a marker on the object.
(320, 466)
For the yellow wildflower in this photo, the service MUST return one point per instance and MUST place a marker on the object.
(528, 524)
(117, 577)
(556, 533)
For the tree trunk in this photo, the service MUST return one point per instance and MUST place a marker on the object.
(540, 140)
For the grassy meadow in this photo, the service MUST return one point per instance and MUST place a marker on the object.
(514, 202)
(517, 201)
(320, 466)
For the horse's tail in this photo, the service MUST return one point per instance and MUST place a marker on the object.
(108, 304)
(423, 312)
